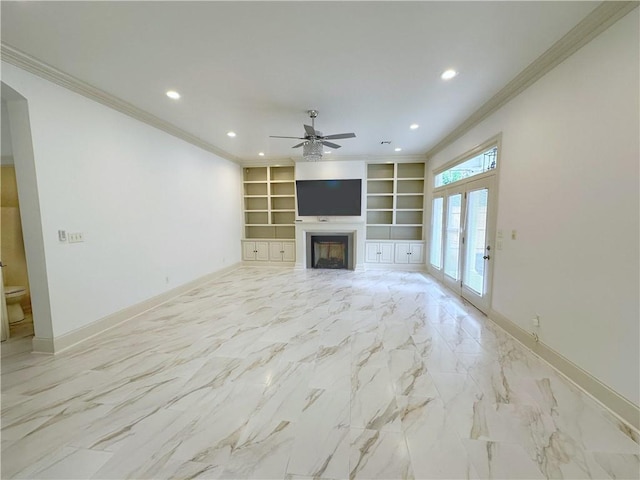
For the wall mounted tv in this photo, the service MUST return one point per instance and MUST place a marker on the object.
(329, 197)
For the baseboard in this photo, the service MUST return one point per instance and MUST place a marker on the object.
(42, 345)
(70, 339)
(266, 263)
(616, 403)
(405, 267)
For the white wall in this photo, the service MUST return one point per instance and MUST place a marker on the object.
(568, 183)
(330, 170)
(155, 211)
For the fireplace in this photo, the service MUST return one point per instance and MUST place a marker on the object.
(329, 251)
(333, 250)
(354, 231)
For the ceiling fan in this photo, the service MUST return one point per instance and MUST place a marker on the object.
(314, 140)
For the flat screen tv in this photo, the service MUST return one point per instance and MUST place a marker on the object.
(329, 197)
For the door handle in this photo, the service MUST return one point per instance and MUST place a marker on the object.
(487, 257)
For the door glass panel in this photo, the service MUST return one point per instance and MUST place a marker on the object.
(476, 240)
(436, 232)
(452, 238)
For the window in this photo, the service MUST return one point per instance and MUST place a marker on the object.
(471, 167)
(436, 233)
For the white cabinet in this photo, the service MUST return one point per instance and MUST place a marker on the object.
(394, 253)
(268, 251)
(378, 252)
(409, 253)
(282, 252)
(255, 251)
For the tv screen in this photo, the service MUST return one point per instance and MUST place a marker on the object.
(329, 197)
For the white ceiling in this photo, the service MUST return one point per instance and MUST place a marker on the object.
(372, 68)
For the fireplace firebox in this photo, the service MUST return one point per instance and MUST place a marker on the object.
(330, 251)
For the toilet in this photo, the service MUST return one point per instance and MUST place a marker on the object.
(13, 296)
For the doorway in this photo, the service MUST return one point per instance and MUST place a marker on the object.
(461, 234)
(17, 117)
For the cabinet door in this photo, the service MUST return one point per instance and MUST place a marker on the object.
(416, 250)
(248, 250)
(402, 253)
(289, 251)
(275, 251)
(371, 252)
(262, 251)
(386, 253)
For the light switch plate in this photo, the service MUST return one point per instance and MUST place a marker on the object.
(62, 236)
(76, 237)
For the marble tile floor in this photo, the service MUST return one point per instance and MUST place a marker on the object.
(275, 373)
(20, 336)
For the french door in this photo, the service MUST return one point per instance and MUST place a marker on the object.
(466, 221)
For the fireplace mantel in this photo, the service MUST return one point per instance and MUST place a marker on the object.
(358, 230)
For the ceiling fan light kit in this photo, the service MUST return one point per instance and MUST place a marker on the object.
(312, 151)
(314, 140)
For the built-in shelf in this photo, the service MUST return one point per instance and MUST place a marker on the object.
(395, 201)
(269, 202)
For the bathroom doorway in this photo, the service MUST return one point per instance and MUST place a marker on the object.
(17, 293)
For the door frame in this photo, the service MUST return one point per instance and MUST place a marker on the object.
(482, 303)
(492, 216)
(453, 283)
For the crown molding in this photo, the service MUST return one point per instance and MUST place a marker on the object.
(331, 158)
(26, 62)
(601, 18)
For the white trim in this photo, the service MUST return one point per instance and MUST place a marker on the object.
(622, 408)
(267, 263)
(601, 18)
(403, 267)
(33, 65)
(42, 345)
(58, 344)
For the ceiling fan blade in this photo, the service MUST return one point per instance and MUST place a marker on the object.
(310, 131)
(276, 136)
(299, 145)
(330, 145)
(339, 135)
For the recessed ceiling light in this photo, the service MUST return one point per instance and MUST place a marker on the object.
(413, 126)
(261, 154)
(448, 74)
(398, 149)
(173, 94)
(231, 134)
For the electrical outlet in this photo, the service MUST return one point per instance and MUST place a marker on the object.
(76, 237)
(535, 321)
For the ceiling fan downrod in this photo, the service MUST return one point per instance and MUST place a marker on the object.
(313, 114)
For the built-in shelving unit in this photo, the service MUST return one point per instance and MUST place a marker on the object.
(269, 202)
(395, 201)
